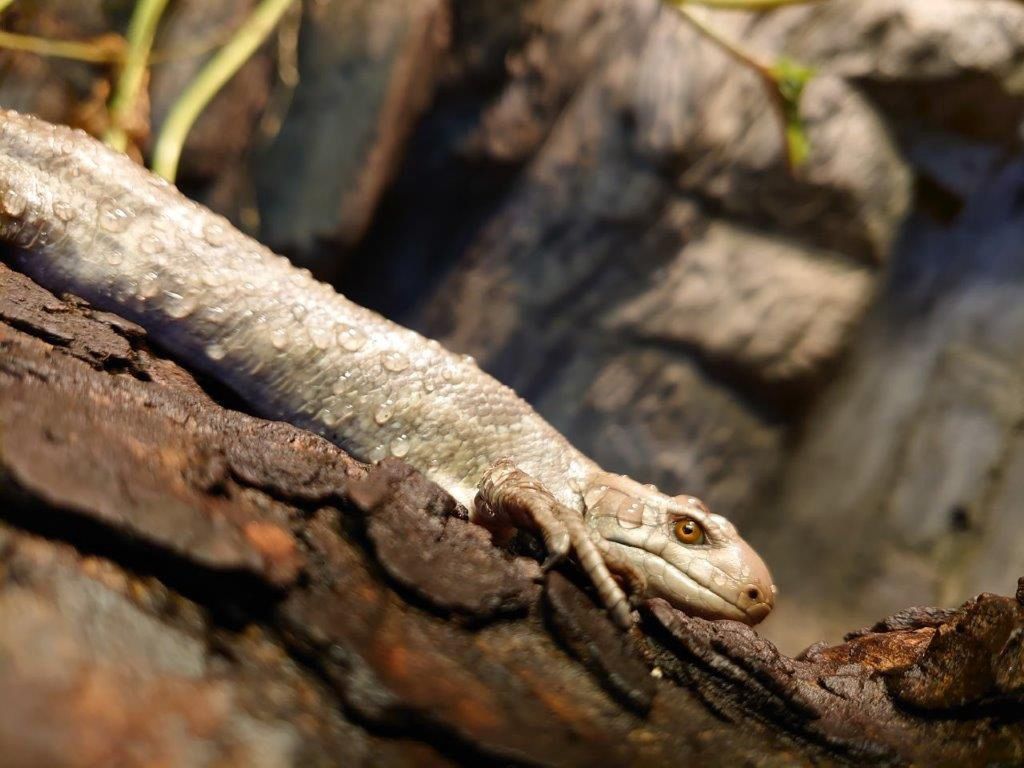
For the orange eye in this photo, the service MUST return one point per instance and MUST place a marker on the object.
(689, 531)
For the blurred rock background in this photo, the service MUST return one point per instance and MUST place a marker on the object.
(594, 200)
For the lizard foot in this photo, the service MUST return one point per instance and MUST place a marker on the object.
(632, 578)
(509, 498)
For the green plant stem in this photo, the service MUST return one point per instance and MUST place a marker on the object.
(723, 42)
(211, 78)
(141, 31)
(744, 5)
(784, 80)
(95, 52)
(107, 49)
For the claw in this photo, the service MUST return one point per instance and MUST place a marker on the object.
(558, 544)
(551, 561)
(622, 615)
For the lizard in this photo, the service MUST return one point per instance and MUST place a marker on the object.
(80, 218)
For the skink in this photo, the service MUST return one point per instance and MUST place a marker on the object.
(83, 219)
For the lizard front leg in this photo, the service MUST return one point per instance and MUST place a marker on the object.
(508, 498)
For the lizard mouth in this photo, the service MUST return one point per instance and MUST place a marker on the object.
(665, 580)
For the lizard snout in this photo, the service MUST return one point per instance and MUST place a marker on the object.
(756, 597)
(756, 602)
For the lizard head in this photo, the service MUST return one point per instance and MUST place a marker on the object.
(682, 552)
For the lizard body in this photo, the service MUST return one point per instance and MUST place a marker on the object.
(89, 221)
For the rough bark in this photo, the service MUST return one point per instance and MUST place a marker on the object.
(592, 199)
(183, 583)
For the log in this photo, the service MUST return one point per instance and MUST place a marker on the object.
(593, 199)
(184, 583)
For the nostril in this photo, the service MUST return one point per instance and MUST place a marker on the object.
(753, 593)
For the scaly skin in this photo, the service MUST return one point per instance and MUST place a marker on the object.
(88, 221)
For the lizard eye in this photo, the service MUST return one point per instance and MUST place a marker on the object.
(689, 531)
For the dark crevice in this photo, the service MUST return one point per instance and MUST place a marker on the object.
(233, 601)
(114, 365)
(999, 710)
(413, 241)
(221, 394)
(977, 106)
(933, 199)
(36, 332)
(307, 505)
(233, 598)
(120, 365)
(852, 249)
(409, 250)
(399, 721)
(723, 693)
(774, 402)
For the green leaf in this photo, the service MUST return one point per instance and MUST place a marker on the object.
(790, 79)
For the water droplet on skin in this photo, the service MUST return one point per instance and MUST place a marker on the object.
(151, 245)
(320, 336)
(42, 236)
(215, 233)
(179, 306)
(400, 446)
(351, 338)
(115, 256)
(63, 211)
(394, 361)
(384, 413)
(62, 145)
(378, 453)
(342, 384)
(330, 418)
(213, 278)
(298, 311)
(469, 360)
(149, 286)
(631, 517)
(279, 338)
(450, 374)
(14, 204)
(428, 384)
(112, 217)
(216, 352)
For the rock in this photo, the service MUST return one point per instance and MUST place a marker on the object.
(365, 74)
